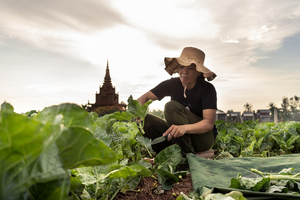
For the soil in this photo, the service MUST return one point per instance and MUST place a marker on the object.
(147, 186)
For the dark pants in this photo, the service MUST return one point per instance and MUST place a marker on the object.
(177, 114)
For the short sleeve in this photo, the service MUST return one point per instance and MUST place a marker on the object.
(163, 89)
(209, 97)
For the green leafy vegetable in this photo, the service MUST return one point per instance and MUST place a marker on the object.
(258, 139)
(121, 132)
(233, 195)
(166, 162)
(36, 152)
(284, 181)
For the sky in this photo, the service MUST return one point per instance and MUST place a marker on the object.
(53, 52)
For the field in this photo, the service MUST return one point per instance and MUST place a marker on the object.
(64, 152)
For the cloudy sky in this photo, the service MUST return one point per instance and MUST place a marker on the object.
(53, 52)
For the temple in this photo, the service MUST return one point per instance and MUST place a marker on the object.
(107, 95)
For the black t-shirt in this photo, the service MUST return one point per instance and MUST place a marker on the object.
(202, 96)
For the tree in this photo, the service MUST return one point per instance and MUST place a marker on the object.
(158, 113)
(103, 110)
(123, 104)
(272, 107)
(294, 106)
(86, 107)
(248, 107)
(284, 111)
(294, 103)
(289, 107)
(230, 111)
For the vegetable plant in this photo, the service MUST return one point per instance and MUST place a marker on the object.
(285, 181)
(64, 152)
(252, 138)
(36, 153)
(121, 132)
(166, 163)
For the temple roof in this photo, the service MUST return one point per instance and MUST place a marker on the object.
(107, 79)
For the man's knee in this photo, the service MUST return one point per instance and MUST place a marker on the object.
(175, 113)
(172, 106)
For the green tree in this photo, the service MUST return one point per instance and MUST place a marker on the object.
(86, 107)
(230, 111)
(294, 106)
(248, 107)
(158, 113)
(123, 104)
(284, 111)
(294, 103)
(103, 110)
(272, 107)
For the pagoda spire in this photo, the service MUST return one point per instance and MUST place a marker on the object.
(107, 95)
(107, 79)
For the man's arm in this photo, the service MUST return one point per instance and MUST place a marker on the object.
(205, 125)
(146, 97)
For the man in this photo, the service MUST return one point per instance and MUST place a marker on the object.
(190, 115)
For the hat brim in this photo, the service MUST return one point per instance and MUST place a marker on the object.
(171, 65)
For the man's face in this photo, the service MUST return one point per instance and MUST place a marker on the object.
(188, 74)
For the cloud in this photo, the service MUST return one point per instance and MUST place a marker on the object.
(69, 42)
(237, 30)
(62, 15)
(54, 26)
(94, 28)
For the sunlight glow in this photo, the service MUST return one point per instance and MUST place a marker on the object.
(169, 18)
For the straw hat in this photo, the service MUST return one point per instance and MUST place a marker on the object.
(188, 56)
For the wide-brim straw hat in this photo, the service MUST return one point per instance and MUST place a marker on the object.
(188, 56)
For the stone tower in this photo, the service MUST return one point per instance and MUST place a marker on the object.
(107, 95)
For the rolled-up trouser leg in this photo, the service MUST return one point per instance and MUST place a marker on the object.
(155, 127)
(177, 114)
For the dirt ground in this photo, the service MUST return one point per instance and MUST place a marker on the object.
(148, 185)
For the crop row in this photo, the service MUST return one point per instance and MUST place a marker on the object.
(64, 152)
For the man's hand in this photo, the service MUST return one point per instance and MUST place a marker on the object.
(175, 131)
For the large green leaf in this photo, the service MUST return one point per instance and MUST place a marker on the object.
(141, 170)
(279, 140)
(23, 141)
(78, 146)
(123, 172)
(102, 135)
(254, 184)
(121, 116)
(136, 109)
(106, 122)
(166, 179)
(56, 189)
(126, 129)
(36, 152)
(169, 156)
(166, 162)
(73, 115)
